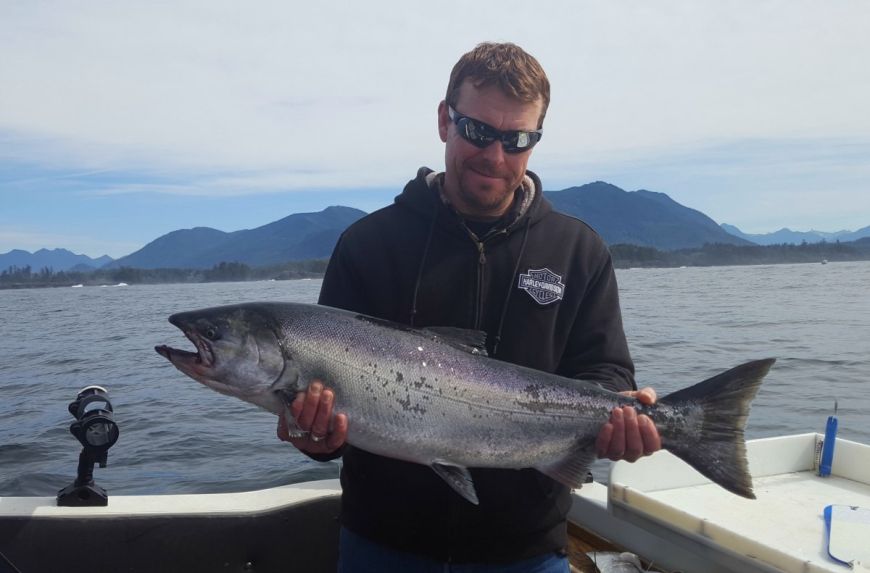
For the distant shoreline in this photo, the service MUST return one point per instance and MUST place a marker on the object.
(15, 277)
(4, 286)
(624, 257)
(717, 255)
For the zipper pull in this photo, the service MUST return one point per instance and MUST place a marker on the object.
(482, 258)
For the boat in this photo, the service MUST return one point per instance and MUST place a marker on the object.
(658, 508)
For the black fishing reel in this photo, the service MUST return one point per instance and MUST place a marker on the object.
(97, 431)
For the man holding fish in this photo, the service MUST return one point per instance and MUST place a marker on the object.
(476, 247)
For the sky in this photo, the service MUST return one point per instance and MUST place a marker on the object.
(122, 121)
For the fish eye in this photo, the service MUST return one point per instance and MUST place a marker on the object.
(211, 333)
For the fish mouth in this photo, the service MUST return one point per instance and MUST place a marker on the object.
(204, 356)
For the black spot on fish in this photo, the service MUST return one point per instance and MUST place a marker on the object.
(407, 406)
(534, 391)
(399, 377)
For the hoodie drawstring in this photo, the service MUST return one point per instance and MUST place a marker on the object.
(422, 266)
(510, 290)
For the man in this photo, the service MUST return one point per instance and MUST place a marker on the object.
(476, 247)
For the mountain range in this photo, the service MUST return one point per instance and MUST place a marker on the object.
(786, 236)
(296, 237)
(644, 218)
(55, 259)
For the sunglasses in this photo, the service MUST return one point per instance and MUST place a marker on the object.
(482, 135)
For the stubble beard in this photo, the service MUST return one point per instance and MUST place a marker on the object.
(486, 198)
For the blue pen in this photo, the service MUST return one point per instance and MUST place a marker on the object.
(828, 447)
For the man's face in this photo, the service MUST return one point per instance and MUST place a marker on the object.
(481, 182)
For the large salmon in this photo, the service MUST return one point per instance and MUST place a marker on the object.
(433, 397)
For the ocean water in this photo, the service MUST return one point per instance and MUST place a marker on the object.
(683, 325)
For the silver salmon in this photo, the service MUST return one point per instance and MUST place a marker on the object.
(432, 396)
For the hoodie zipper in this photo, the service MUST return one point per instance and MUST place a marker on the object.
(478, 303)
(481, 266)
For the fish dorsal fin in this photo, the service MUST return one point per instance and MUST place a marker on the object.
(471, 341)
(457, 477)
(571, 470)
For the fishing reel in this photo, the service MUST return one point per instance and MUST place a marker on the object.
(97, 431)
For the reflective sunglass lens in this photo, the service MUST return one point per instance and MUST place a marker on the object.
(473, 132)
(523, 140)
(482, 135)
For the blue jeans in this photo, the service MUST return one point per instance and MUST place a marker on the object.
(359, 555)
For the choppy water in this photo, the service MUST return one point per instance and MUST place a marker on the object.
(178, 437)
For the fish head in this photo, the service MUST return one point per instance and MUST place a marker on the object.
(238, 352)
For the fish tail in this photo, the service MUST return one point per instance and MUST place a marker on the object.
(716, 411)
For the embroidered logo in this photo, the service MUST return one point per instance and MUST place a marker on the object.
(543, 285)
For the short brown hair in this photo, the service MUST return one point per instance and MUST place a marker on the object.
(512, 69)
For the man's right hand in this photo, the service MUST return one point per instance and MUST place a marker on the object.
(312, 411)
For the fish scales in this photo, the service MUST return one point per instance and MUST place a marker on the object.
(410, 399)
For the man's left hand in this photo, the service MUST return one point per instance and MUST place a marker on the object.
(627, 435)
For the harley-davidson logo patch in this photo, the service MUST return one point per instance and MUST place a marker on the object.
(543, 285)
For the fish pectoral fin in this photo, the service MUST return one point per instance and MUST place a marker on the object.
(293, 430)
(571, 470)
(457, 477)
(288, 380)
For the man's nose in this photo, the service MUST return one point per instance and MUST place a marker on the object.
(494, 152)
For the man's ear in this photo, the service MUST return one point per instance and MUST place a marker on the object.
(443, 120)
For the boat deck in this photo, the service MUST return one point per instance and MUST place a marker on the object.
(782, 530)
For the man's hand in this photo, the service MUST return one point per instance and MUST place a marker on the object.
(312, 411)
(627, 435)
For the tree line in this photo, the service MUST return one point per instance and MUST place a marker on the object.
(624, 256)
(719, 254)
(26, 277)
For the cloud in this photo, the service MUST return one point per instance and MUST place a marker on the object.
(111, 102)
(217, 86)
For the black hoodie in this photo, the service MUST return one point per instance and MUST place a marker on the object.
(541, 285)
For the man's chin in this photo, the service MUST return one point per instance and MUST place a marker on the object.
(486, 199)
